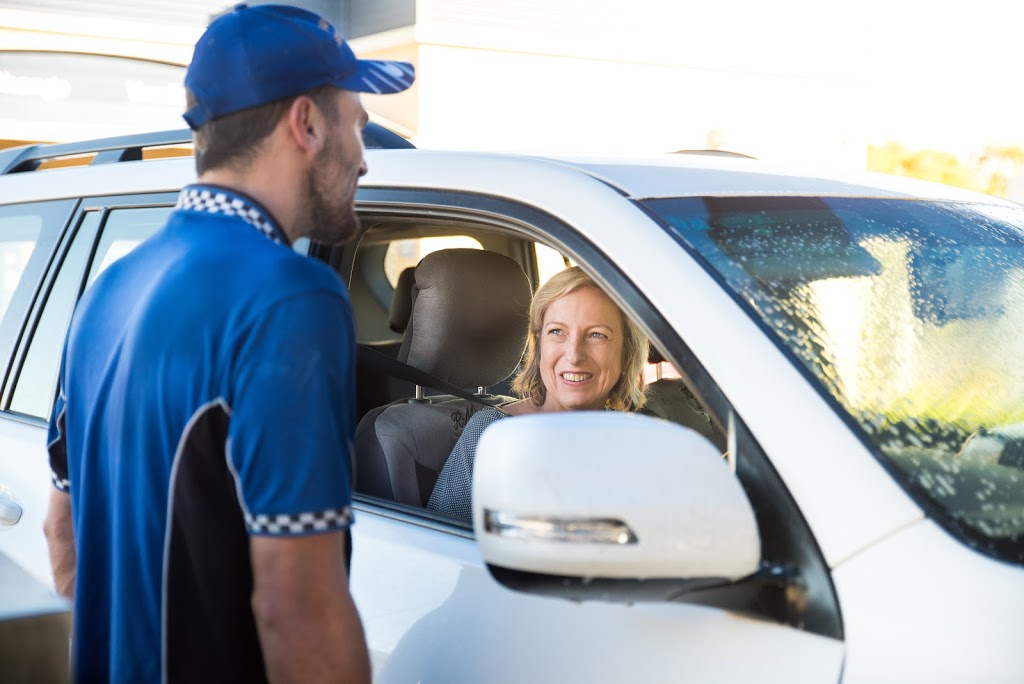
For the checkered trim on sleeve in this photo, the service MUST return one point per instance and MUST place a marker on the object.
(301, 523)
(214, 201)
(62, 484)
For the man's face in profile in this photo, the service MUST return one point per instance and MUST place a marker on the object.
(331, 181)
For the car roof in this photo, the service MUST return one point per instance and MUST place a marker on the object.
(688, 174)
(702, 175)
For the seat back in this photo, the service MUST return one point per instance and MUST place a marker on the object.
(468, 326)
(671, 399)
(375, 388)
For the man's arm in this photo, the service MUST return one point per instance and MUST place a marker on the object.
(308, 625)
(60, 539)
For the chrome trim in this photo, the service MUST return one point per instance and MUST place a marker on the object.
(568, 530)
(420, 517)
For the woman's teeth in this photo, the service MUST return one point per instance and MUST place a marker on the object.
(576, 377)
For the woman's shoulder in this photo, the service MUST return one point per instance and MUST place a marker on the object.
(475, 426)
(520, 407)
(484, 417)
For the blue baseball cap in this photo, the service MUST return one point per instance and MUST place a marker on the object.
(251, 56)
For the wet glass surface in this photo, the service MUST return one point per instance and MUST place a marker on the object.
(909, 314)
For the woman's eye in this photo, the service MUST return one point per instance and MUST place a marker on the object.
(555, 331)
(600, 336)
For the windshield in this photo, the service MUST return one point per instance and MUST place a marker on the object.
(909, 315)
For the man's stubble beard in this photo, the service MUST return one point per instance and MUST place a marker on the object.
(331, 220)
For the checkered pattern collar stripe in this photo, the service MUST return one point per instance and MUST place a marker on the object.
(213, 200)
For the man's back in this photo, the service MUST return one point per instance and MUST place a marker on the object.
(201, 443)
(178, 361)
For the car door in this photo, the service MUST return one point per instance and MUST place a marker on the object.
(100, 231)
(30, 234)
(433, 612)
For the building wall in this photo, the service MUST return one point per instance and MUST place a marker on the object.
(472, 98)
(370, 17)
(591, 76)
(610, 77)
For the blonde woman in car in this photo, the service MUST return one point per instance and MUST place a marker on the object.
(582, 354)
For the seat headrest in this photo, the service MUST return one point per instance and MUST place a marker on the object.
(470, 315)
(401, 301)
(653, 355)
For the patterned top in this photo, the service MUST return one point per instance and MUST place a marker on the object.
(211, 199)
(453, 493)
(205, 396)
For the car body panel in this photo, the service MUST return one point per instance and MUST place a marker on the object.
(682, 175)
(917, 607)
(25, 470)
(417, 588)
(161, 175)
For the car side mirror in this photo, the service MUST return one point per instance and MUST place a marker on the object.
(565, 501)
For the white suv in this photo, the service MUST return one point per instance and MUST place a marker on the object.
(847, 503)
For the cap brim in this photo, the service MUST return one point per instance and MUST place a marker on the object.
(379, 77)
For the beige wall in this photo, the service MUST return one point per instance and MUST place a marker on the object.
(401, 109)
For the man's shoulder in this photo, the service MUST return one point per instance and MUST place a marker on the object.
(291, 275)
(257, 263)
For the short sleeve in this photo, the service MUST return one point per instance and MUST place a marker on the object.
(292, 417)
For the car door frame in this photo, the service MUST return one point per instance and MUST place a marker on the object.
(27, 474)
(20, 308)
(784, 530)
(105, 205)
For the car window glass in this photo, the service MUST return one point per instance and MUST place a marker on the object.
(124, 229)
(34, 392)
(27, 234)
(549, 262)
(19, 240)
(402, 254)
(909, 316)
(671, 398)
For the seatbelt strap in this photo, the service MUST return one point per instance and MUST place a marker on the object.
(371, 358)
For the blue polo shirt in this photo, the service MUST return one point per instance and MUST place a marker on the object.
(207, 394)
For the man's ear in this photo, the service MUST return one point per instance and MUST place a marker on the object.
(305, 124)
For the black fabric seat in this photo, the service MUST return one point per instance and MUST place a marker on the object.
(468, 326)
(671, 399)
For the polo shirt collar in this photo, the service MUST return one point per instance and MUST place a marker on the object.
(214, 199)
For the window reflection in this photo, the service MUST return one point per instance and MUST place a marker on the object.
(910, 314)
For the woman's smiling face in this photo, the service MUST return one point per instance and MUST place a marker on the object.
(581, 341)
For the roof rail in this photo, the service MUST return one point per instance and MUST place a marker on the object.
(129, 147)
(107, 150)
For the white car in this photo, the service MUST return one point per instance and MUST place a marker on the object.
(846, 503)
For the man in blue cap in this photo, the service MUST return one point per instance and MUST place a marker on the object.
(201, 442)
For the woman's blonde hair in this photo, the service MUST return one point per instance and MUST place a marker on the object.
(629, 393)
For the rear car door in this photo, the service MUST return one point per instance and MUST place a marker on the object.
(99, 231)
